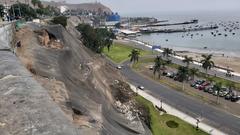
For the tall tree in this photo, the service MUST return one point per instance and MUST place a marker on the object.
(158, 66)
(167, 52)
(217, 87)
(193, 72)
(35, 2)
(134, 55)
(22, 10)
(187, 60)
(207, 63)
(2, 10)
(183, 75)
(95, 39)
(230, 85)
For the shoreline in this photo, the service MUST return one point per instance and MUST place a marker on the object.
(220, 61)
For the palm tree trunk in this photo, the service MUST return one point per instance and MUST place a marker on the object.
(183, 86)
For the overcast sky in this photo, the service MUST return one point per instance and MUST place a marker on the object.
(134, 6)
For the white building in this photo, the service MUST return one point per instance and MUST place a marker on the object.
(63, 9)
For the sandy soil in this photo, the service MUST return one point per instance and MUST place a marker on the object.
(56, 89)
(219, 60)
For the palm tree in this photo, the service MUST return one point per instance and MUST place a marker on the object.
(207, 63)
(2, 11)
(193, 72)
(183, 75)
(230, 86)
(158, 66)
(35, 2)
(134, 55)
(187, 60)
(217, 87)
(167, 52)
(210, 79)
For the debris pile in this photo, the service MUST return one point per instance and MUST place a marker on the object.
(48, 40)
(126, 104)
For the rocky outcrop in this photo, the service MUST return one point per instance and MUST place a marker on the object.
(25, 106)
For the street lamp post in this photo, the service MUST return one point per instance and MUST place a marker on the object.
(161, 103)
(198, 121)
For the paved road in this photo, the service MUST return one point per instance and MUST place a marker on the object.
(179, 62)
(195, 108)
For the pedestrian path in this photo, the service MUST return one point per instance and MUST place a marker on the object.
(173, 111)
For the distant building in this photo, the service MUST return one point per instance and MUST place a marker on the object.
(113, 18)
(63, 9)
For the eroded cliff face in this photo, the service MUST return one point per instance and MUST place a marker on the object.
(79, 81)
(25, 106)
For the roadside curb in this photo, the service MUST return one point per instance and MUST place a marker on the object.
(173, 111)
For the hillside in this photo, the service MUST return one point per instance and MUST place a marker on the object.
(82, 6)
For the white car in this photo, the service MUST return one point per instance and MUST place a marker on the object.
(151, 67)
(119, 67)
(140, 87)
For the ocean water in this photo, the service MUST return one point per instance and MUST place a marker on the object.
(228, 22)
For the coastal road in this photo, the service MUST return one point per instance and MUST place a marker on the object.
(213, 71)
(217, 118)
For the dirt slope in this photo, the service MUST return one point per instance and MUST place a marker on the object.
(83, 75)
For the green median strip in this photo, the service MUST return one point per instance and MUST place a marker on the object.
(167, 124)
(143, 61)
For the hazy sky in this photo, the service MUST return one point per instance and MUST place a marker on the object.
(133, 6)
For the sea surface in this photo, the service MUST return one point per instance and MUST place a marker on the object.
(224, 40)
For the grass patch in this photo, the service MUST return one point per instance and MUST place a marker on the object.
(143, 61)
(167, 124)
(119, 52)
(218, 79)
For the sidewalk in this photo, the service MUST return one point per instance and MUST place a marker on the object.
(179, 114)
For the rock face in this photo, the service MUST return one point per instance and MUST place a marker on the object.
(87, 78)
(48, 40)
(26, 107)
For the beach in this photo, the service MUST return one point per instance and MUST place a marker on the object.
(230, 62)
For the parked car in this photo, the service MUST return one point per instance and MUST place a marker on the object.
(210, 90)
(235, 98)
(150, 67)
(215, 92)
(177, 78)
(224, 91)
(164, 73)
(206, 89)
(229, 96)
(202, 86)
(171, 74)
(197, 82)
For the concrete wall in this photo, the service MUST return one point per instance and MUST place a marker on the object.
(6, 35)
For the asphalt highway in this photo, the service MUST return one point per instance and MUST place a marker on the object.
(217, 118)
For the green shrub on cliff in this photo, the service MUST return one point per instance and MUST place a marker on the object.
(95, 38)
(60, 20)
